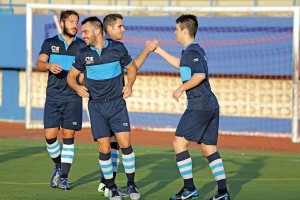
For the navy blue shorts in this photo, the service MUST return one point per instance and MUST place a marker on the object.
(108, 116)
(199, 126)
(67, 115)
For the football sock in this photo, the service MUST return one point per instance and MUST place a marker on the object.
(107, 169)
(128, 158)
(184, 163)
(67, 156)
(217, 169)
(53, 149)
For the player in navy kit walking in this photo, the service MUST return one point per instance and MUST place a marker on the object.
(104, 61)
(200, 121)
(63, 106)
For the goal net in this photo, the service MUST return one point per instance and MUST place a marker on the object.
(253, 60)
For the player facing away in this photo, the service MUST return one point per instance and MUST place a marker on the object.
(63, 106)
(200, 121)
(103, 61)
(114, 29)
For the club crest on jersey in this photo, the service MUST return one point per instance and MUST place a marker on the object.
(89, 60)
(55, 49)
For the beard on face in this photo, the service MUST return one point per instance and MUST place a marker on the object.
(67, 32)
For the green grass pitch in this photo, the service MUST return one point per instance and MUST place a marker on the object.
(25, 169)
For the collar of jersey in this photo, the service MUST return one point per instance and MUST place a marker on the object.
(65, 43)
(189, 45)
(98, 51)
(62, 39)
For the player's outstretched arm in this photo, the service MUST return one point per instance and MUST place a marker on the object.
(72, 82)
(172, 60)
(150, 45)
(43, 65)
(131, 76)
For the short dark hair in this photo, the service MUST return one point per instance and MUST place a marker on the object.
(110, 19)
(95, 21)
(189, 22)
(64, 14)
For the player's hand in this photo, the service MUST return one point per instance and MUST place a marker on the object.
(177, 93)
(82, 91)
(151, 45)
(54, 68)
(127, 91)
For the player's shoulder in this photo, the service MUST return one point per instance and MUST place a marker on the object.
(115, 44)
(80, 43)
(195, 48)
(51, 39)
(79, 40)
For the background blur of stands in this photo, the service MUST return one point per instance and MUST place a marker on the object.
(18, 6)
(250, 62)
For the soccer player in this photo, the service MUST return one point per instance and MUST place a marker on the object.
(104, 60)
(114, 29)
(63, 106)
(200, 121)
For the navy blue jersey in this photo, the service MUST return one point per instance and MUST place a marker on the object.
(59, 52)
(104, 77)
(193, 61)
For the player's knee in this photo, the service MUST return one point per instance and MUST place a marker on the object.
(49, 134)
(208, 150)
(104, 149)
(124, 145)
(178, 147)
(68, 134)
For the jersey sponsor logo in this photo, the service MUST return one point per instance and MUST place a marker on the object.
(125, 124)
(89, 60)
(74, 123)
(55, 49)
(195, 60)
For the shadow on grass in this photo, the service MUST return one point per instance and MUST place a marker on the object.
(247, 172)
(163, 172)
(91, 177)
(20, 153)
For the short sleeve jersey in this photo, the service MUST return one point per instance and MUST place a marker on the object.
(59, 52)
(193, 61)
(104, 77)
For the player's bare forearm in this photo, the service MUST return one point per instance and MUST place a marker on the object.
(81, 79)
(42, 62)
(139, 61)
(43, 65)
(131, 77)
(150, 45)
(172, 60)
(195, 80)
(72, 82)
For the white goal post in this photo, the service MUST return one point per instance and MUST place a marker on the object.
(177, 10)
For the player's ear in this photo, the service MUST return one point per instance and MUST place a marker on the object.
(109, 28)
(185, 31)
(97, 31)
(62, 24)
